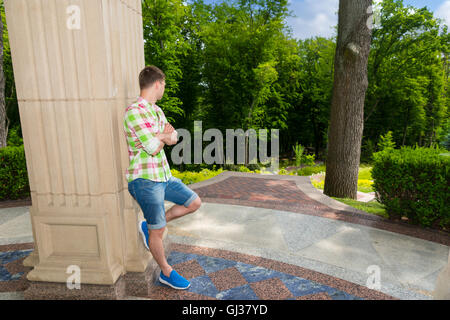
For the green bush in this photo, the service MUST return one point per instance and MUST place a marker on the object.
(308, 159)
(189, 177)
(298, 150)
(14, 137)
(13, 173)
(251, 167)
(414, 183)
(386, 142)
(307, 171)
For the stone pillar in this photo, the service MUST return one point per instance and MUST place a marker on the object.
(442, 290)
(76, 66)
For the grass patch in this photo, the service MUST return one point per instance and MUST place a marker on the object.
(189, 177)
(307, 171)
(372, 207)
(364, 177)
(365, 172)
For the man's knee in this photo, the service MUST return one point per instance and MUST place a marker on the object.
(157, 232)
(195, 205)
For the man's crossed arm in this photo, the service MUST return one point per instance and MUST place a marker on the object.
(168, 136)
(151, 142)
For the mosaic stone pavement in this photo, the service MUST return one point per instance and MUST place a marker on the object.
(224, 279)
(12, 271)
(211, 277)
(8, 263)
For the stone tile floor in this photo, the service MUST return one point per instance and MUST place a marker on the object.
(225, 279)
(211, 277)
(12, 271)
(9, 269)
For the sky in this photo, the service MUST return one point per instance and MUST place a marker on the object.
(317, 17)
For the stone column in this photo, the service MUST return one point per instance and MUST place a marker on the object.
(442, 290)
(76, 64)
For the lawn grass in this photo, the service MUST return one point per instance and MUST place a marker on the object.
(372, 207)
(364, 177)
(364, 185)
(365, 172)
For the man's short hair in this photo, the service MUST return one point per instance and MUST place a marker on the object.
(149, 75)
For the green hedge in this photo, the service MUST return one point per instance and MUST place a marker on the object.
(13, 173)
(414, 183)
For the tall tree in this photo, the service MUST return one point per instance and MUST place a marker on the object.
(347, 105)
(317, 57)
(165, 47)
(405, 75)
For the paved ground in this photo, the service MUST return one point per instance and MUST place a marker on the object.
(267, 237)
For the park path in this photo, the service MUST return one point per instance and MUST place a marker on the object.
(272, 237)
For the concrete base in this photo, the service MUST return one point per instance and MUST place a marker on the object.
(131, 284)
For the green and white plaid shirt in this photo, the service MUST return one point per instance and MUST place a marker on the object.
(142, 122)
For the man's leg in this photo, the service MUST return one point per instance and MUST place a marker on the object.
(157, 250)
(177, 211)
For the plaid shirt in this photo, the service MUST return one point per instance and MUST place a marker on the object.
(142, 122)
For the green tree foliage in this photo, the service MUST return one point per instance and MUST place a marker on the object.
(235, 64)
(11, 105)
(241, 49)
(165, 46)
(311, 114)
(407, 77)
(386, 142)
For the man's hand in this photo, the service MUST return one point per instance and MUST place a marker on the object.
(168, 138)
(138, 145)
(168, 128)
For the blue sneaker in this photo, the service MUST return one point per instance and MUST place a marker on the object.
(143, 230)
(175, 280)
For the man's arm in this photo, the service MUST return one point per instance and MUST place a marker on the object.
(166, 138)
(152, 143)
(140, 125)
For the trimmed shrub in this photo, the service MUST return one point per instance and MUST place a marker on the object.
(414, 183)
(13, 173)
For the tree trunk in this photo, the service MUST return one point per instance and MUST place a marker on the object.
(249, 121)
(405, 127)
(347, 105)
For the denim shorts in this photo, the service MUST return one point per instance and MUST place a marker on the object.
(150, 196)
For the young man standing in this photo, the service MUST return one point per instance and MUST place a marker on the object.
(150, 181)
